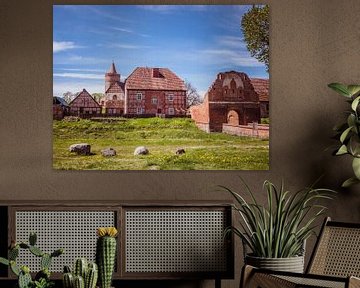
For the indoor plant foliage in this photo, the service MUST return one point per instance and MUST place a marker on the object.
(349, 131)
(279, 229)
(106, 254)
(42, 278)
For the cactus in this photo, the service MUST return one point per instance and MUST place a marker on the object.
(42, 278)
(14, 268)
(57, 252)
(13, 253)
(36, 251)
(91, 276)
(45, 261)
(79, 282)
(32, 238)
(68, 280)
(87, 272)
(24, 280)
(105, 255)
(4, 261)
(80, 268)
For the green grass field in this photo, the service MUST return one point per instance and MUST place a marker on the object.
(204, 151)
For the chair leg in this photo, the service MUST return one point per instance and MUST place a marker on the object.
(246, 274)
(354, 282)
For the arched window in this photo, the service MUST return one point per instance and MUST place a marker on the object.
(114, 97)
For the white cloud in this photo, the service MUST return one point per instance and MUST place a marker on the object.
(80, 69)
(173, 8)
(231, 42)
(123, 30)
(79, 75)
(230, 57)
(126, 46)
(64, 45)
(126, 30)
(78, 59)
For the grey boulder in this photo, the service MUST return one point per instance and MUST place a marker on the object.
(108, 152)
(80, 148)
(141, 150)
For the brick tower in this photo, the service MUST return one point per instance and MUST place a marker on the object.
(111, 77)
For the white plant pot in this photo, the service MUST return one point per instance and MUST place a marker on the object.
(291, 264)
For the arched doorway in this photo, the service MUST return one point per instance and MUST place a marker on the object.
(233, 117)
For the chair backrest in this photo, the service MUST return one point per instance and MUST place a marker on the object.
(337, 251)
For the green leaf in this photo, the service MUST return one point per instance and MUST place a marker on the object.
(349, 182)
(355, 103)
(342, 150)
(356, 167)
(353, 89)
(354, 145)
(345, 134)
(4, 261)
(340, 88)
(14, 268)
(351, 120)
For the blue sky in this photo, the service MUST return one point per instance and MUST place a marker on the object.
(194, 41)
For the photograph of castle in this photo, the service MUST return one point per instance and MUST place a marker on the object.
(160, 87)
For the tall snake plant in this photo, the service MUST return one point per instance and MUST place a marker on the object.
(279, 229)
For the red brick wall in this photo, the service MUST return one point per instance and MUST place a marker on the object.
(232, 86)
(200, 113)
(230, 91)
(161, 106)
(259, 131)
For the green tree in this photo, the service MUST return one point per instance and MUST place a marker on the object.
(255, 27)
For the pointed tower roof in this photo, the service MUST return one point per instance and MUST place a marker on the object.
(112, 69)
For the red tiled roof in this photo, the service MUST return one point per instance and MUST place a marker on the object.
(116, 87)
(261, 87)
(154, 79)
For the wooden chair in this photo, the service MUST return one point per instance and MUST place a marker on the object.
(334, 263)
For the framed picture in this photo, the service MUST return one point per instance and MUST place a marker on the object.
(161, 87)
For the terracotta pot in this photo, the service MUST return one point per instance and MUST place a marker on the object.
(291, 264)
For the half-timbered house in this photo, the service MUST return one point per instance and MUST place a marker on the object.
(84, 104)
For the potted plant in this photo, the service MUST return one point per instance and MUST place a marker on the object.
(276, 233)
(349, 131)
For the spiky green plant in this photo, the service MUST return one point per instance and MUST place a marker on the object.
(84, 273)
(348, 132)
(279, 229)
(42, 278)
(106, 254)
